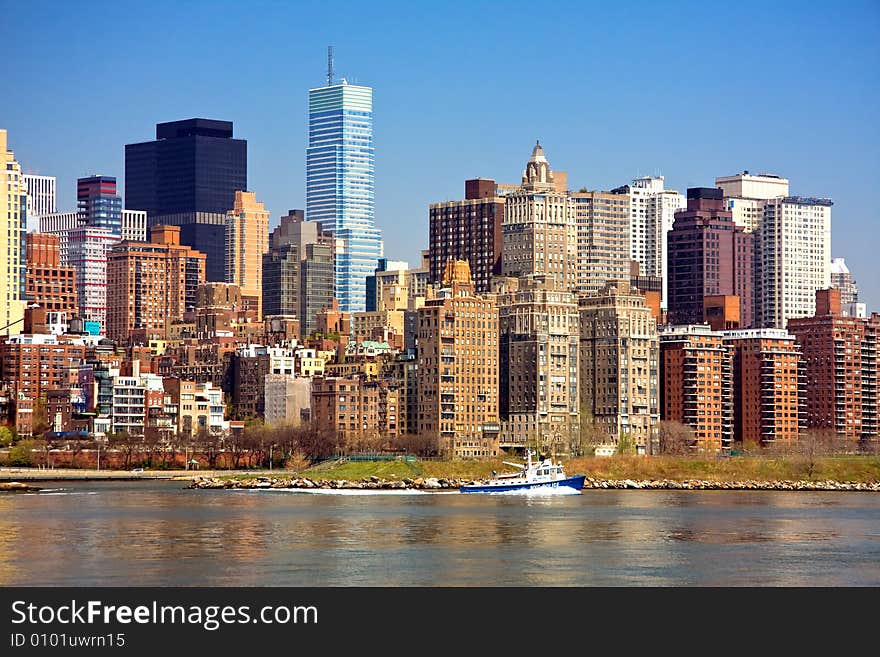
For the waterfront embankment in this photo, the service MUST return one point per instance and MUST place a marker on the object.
(441, 484)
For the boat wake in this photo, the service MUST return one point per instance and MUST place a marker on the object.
(541, 491)
(339, 491)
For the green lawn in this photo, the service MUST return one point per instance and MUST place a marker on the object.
(354, 470)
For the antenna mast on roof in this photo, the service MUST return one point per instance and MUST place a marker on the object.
(329, 66)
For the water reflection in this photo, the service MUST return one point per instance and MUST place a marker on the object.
(155, 533)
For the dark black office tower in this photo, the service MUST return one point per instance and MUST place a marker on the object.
(188, 177)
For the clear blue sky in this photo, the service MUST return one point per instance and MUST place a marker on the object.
(463, 89)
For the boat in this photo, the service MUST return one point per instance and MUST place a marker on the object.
(543, 473)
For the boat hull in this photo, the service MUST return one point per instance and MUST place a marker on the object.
(576, 482)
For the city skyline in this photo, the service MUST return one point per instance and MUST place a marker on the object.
(794, 98)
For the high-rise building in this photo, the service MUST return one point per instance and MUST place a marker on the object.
(842, 279)
(468, 230)
(194, 165)
(188, 177)
(48, 284)
(87, 249)
(841, 363)
(619, 354)
(40, 198)
(60, 224)
(98, 202)
(298, 271)
(745, 195)
(85, 240)
(458, 367)
(652, 212)
(603, 251)
(768, 384)
(13, 220)
(794, 247)
(247, 239)
(340, 183)
(708, 256)
(539, 232)
(150, 285)
(538, 355)
(133, 227)
(696, 384)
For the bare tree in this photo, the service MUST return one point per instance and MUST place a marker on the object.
(420, 444)
(208, 442)
(124, 443)
(814, 444)
(676, 438)
(590, 434)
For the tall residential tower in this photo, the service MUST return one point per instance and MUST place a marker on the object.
(12, 229)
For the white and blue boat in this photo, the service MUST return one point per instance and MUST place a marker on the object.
(542, 473)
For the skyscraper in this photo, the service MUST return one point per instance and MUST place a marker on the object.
(468, 230)
(193, 166)
(98, 227)
(708, 256)
(298, 271)
(619, 353)
(188, 177)
(458, 367)
(247, 239)
(539, 232)
(539, 401)
(340, 182)
(794, 243)
(40, 198)
(602, 238)
(745, 195)
(150, 285)
(652, 213)
(13, 215)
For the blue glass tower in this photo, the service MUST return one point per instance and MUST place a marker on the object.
(340, 184)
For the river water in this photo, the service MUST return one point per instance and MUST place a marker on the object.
(157, 533)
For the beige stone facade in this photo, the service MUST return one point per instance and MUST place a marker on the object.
(539, 355)
(603, 249)
(247, 239)
(539, 231)
(458, 367)
(619, 354)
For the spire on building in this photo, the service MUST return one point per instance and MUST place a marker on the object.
(537, 175)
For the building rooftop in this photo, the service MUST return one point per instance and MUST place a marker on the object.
(194, 128)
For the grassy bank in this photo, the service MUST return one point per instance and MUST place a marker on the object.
(760, 468)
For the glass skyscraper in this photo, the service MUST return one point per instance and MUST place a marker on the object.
(340, 184)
